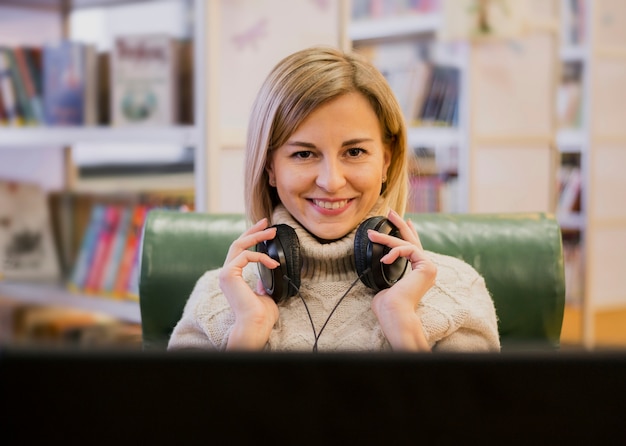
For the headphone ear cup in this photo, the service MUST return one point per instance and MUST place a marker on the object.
(373, 273)
(285, 249)
(361, 260)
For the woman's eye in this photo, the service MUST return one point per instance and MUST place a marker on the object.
(355, 151)
(303, 154)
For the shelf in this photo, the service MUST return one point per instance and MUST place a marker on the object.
(571, 140)
(59, 5)
(573, 53)
(571, 221)
(400, 26)
(433, 136)
(65, 136)
(58, 295)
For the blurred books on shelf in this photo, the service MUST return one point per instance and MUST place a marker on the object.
(144, 80)
(105, 259)
(570, 185)
(569, 96)
(27, 248)
(376, 9)
(433, 180)
(574, 15)
(69, 83)
(428, 93)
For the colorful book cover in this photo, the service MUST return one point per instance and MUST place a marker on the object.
(82, 264)
(27, 248)
(144, 80)
(117, 251)
(64, 83)
(32, 93)
(23, 101)
(9, 98)
(131, 250)
(103, 248)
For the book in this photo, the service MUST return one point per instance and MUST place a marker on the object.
(102, 248)
(4, 119)
(447, 113)
(80, 270)
(117, 250)
(570, 179)
(131, 251)
(9, 99)
(27, 247)
(33, 94)
(64, 80)
(144, 80)
(23, 102)
(92, 86)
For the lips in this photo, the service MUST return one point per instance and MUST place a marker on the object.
(331, 205)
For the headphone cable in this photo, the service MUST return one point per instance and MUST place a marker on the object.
(315, 334)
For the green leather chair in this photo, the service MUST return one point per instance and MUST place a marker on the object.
(519, 255)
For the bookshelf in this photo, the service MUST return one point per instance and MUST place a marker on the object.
(504, 158)
(228, 61)
(593, 38)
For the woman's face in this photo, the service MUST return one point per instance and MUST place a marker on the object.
(329, 173)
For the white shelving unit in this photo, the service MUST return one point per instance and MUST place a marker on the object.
(194, 135)
(66, 136)
(505, 134)
(426, 26)
(600, 142)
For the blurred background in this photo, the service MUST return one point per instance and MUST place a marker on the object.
(111, 108)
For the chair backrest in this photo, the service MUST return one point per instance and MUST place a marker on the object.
(520, 256)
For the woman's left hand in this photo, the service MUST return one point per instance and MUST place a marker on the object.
(395, 307)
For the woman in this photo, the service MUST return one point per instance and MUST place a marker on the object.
(326, 154)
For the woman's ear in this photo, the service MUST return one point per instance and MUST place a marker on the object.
(386, 161)
(270, 173)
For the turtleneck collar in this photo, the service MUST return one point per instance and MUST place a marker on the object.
(332, 261)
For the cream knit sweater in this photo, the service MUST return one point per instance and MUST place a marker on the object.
(457, 312)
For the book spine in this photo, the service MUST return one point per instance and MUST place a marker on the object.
(80, 271)
(102, 248)
(8, 91)
(130, 251)
(29, 85)
(117, 251)
(20, 89)
(64, 83)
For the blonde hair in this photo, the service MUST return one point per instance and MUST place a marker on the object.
(296, 86)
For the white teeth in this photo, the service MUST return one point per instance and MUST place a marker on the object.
(331, 204)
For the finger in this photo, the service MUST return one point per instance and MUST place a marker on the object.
(389, 240)
(247, 256)
(250, 239)
(411, 252)
(407, 231)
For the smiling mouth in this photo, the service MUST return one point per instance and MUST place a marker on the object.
(331, 204)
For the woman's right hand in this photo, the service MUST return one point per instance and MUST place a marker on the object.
(255, 311)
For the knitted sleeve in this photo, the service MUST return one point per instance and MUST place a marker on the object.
(458, 313)
(207, 318)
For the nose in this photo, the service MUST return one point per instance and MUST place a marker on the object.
(330, 176)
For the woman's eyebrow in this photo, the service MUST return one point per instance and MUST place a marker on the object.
(310, 145)
(304, 144)
(354, 141)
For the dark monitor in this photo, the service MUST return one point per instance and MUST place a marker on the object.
(98, 397)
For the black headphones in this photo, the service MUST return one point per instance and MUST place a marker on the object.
(284, 281)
